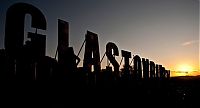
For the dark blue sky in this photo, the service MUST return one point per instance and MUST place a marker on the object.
(165, 31)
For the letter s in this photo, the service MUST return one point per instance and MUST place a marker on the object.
(109, 47)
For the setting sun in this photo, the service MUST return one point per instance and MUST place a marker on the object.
(185, 68)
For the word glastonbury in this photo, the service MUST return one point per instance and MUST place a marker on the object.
(28, 61)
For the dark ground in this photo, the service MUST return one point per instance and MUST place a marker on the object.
(180, 92)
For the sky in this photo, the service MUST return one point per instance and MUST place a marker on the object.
(164, 31)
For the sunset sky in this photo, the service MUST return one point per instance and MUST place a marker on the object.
(164, 31)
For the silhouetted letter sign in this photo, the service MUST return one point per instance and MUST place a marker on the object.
(63, 39)
(38, 44)
(14, 37)
(14, 30)
(145, 63)
(28, 61)
(163, 72)
(168, 74)
(160, 71)
(152, 69)
(126, 56)
(137, 67)
(91, 56)
(111, 49)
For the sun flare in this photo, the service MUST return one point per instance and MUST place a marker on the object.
(185, 68)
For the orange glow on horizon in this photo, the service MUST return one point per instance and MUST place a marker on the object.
(185, 70)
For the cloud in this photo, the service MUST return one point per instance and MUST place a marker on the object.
(189, 42)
